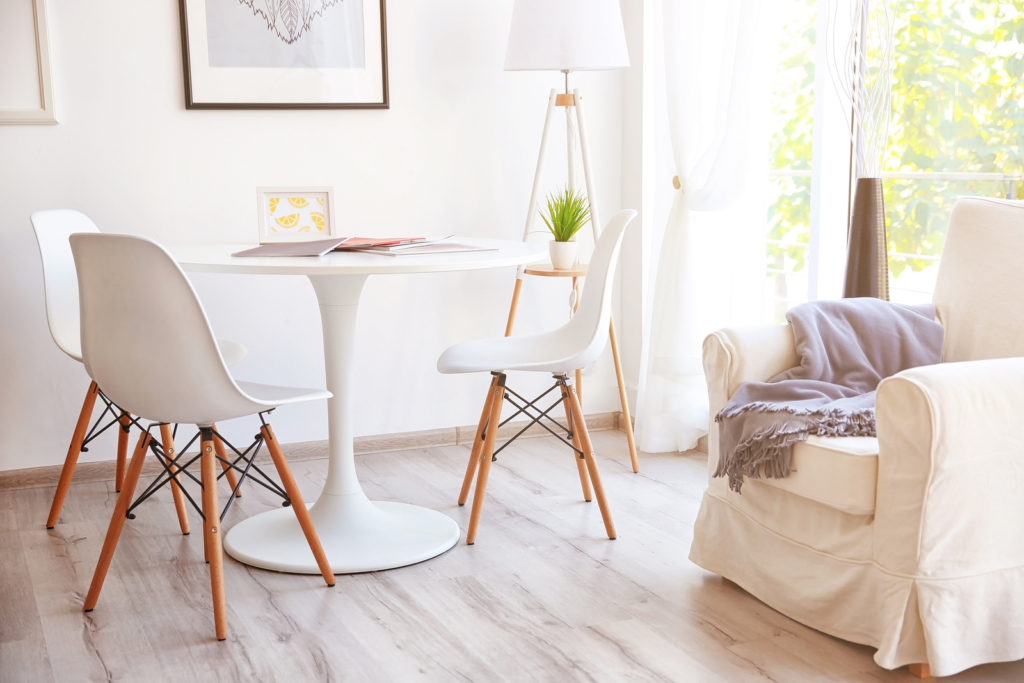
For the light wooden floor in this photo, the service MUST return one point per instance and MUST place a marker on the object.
(542, 596)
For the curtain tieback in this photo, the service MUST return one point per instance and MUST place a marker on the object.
(676, 183)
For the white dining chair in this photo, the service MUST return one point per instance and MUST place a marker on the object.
(573, 345)
(52, 228)
(130, 289)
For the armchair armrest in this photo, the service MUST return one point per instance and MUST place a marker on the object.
(734, 355)
(950, 494)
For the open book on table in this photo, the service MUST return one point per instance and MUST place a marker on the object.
(321, 247)
(438, 246)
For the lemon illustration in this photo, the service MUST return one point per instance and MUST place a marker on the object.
(318, 220)
(304, 228)
(288, 221)
(320, 201)
(273, 203)
(298, 202)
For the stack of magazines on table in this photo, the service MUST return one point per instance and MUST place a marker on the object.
(387, 246)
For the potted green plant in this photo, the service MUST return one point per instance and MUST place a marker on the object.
(567, 212)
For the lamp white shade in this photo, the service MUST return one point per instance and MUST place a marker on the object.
(566, 35)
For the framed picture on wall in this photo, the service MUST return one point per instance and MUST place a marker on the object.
(27, 93)
(284, 54)
(295, 214)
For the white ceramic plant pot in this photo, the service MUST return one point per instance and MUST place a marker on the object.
(563, 254)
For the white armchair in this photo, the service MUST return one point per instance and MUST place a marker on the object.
(911, 542)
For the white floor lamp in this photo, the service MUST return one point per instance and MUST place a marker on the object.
(566, 36)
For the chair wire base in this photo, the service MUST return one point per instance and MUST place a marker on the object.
(109, 408)
(536, 414)
(244, 463)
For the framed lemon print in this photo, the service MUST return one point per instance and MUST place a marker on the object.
(295, 214)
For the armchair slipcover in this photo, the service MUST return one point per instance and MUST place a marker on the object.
(911, 542)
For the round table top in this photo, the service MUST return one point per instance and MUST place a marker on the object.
(217, 258)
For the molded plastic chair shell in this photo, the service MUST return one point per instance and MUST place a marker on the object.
(165, 367)
(573, 345)
(53, 227)
(60, 284)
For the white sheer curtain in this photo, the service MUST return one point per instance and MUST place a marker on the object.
(711, 253)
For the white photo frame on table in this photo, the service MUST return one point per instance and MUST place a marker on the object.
(295, 214)
(249, 54)
(27, 96)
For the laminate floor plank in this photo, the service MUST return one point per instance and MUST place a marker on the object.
(543, 595)
(59, 587)
(647, 652)
(22, 644)
(22, 512)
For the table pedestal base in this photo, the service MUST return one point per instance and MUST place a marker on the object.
(358, 535)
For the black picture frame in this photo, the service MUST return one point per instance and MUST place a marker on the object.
(258, 86)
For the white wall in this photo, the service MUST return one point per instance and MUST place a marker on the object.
(456, 151)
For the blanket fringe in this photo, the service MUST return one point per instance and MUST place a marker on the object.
(763, 407)
(768, 453)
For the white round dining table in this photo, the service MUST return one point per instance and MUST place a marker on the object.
(358, 534)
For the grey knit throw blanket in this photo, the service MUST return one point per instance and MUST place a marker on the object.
(846, 347)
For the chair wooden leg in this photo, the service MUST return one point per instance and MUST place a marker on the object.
(124, 423)
(478, 444)
(588, 454)
(167, 441)
(513, 306)
(496, 396)
(117, 521)
(222, 457)
(71, 459)
(298, 505)
(920, 670)
(627, 422)
(580, 466)
(212, 531)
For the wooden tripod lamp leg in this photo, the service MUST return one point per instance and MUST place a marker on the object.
(212, 531)
(167, 441)
(595, 223)
(627, 421)
(575, 307)
(117, 521)
(512, 307)
(71, 459)
(531, 213)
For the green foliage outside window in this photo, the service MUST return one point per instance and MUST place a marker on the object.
(958, 107)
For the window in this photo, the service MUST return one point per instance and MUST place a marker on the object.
(790, 147)
(957, 117)
(957, 126)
